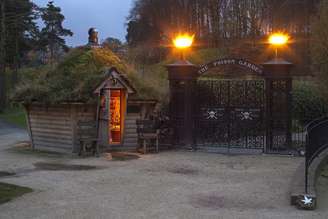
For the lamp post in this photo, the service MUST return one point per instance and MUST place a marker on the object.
(278, 97)
(278, 40)
(183, 42)
(182, 77)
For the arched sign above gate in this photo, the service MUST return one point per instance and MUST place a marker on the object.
(232, 61)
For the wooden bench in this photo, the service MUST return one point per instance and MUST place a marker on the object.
(88, 137)
(148, 135)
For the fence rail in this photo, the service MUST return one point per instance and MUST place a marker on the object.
(316, 143)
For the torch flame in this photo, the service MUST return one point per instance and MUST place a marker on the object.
(183, 41)
(278, 39)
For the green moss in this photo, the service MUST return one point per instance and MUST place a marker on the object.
(8, 192)
(75, 78)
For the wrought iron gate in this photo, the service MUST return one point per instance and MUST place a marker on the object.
(230, 114)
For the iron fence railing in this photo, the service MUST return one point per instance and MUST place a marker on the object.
(298, 137)
(316, 143)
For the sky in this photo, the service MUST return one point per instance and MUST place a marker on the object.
(108, 16)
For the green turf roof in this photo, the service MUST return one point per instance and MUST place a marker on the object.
(75, 78)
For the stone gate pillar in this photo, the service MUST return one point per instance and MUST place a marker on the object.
(278, 105)
(182, 77)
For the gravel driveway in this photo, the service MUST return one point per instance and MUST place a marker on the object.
(171, 185)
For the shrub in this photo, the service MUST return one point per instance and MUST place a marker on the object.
(319, 47)
(308, 104)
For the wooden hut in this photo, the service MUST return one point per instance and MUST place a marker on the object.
(54, 127)
(90, 84)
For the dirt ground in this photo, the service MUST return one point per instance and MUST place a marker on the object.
(175, 184)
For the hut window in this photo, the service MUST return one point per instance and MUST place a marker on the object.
(115, 116)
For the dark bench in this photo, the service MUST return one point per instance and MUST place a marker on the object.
(88, 137)
(148, 135)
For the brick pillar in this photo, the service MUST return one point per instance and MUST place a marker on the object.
(182, 78)
(279, 104)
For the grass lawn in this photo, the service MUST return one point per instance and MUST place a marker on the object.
(14, 116)
(8, 192)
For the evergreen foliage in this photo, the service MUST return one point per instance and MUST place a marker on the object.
(21, 29)
(18, 32)
(52, 34)
(113, 44)
(320, 47)
(308, 104)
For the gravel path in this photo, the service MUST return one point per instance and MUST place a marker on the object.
(168, 185)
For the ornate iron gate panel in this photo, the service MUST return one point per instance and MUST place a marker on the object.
(230, 113)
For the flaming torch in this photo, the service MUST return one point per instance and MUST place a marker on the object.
(183, 42)
(278, 40)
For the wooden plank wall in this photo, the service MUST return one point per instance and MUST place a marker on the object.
(54, 128)
(51, 127)
(84, 113)
(130, 141)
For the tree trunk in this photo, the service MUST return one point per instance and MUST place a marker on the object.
(14, 76)
(2, 57)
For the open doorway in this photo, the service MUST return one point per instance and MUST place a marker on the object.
(115, 124)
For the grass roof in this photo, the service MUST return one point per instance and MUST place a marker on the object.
(75, 78)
